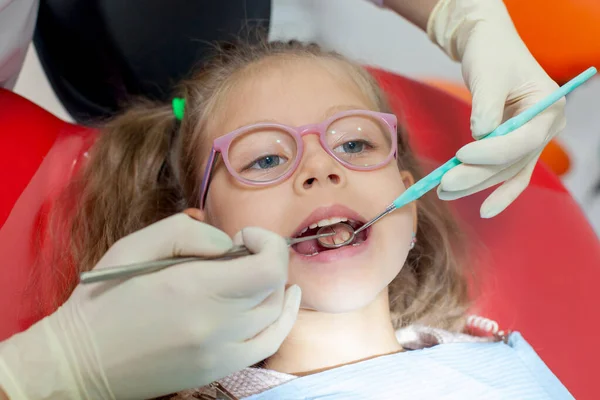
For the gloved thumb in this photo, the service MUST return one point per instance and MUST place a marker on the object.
(489, 100)
(259, 240)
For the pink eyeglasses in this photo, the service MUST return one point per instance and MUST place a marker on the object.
(267, 153)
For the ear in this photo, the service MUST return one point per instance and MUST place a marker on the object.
(408, 179)
(195, 213)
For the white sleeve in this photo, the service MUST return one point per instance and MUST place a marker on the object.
(17, 22)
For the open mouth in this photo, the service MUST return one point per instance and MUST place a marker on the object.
(313, 247)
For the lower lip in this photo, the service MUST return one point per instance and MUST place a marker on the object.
(333, 255)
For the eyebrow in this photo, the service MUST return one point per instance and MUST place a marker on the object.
(336, 109)
(330, 112)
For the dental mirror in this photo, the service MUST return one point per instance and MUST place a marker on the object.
(344, 231)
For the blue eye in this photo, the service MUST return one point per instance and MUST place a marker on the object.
(353, 147)
(267, 162)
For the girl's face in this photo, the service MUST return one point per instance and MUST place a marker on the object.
(298, 93)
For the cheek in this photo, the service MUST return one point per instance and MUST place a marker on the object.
(394, 233)
(398, 230)
(224, 204)
(385, 184)
(232, 206)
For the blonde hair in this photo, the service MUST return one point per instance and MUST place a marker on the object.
(145, 167)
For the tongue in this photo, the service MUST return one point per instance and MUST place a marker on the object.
(307, 248)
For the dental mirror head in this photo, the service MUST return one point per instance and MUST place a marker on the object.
(343, 234)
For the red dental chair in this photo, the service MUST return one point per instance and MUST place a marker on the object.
(539, 261)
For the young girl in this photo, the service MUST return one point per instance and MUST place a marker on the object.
(288, 137)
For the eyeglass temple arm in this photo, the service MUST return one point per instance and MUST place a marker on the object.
(210, 165)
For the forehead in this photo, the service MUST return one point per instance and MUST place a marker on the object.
(289, 91)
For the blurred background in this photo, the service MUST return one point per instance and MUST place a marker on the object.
(563, 35)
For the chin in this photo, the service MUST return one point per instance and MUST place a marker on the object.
(343, 286)
(344, 294)
(340, 300)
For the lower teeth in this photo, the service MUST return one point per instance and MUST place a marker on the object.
(317, 252)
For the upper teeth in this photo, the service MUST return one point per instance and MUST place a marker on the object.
(324, 222)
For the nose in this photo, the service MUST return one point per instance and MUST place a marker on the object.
(317, 168)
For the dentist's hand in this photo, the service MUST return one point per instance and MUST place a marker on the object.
(504, 80)
(179, 328)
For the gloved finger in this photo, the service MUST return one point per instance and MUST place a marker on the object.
(501, 176)
(264, 271)
(513, 146)
(267, 342)
(177, 235)
(479, 180)
(263, 315)
(507, 192)
(489, 99)
(466, 176)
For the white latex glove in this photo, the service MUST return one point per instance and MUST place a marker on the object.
(179, 328)
(504, 80)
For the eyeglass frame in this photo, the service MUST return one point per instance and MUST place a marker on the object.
(221, 145)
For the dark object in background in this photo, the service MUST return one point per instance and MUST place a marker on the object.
(97, 54)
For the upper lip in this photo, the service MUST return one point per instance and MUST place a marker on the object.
(336, 210)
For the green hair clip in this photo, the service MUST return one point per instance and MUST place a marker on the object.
(178, 108)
